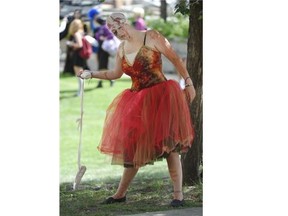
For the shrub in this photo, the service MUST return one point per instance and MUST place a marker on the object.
(175, 27)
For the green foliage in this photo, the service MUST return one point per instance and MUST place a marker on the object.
(182, 7)
(176, 26)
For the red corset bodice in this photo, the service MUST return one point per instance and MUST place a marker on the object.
(146, 70)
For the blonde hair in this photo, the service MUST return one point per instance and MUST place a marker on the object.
(75, 25)
(139, 12)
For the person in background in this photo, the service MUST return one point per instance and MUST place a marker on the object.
(139, 22)
(76, 31)
(93, 13)
(68, 67)
(151, 120)
(62, 27)
(103, 33)
(68, 19)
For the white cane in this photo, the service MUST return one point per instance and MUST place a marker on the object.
(81, 168)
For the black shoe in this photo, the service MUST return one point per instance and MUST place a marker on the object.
(99, 84)
(177, 203)
(111, 83)
(111, 200)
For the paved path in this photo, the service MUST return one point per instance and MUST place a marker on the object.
(196, 211)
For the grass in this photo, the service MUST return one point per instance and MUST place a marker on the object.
(151, 189)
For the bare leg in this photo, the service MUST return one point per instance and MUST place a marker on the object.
(127, 177)
(175, 171)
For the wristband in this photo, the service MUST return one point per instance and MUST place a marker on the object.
(187, 78)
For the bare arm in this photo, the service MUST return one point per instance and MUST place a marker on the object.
(115, 73)
(164, 46)
(78, 44)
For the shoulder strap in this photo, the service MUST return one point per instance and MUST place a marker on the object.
(123, 48)
(145, 38)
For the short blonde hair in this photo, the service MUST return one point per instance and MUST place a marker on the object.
(75, 25)
(139, 12)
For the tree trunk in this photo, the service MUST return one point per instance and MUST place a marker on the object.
(192, 160)
(118, 3)
(163, 10)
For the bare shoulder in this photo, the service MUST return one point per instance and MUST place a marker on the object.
(156, 40)
(154, 34)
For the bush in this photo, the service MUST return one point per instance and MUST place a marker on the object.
(175, 27)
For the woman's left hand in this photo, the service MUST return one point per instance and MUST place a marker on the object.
(190, 93)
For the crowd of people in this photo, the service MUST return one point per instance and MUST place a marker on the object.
(99, 31)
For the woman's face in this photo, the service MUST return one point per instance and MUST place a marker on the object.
(77, 15)
(120, 32)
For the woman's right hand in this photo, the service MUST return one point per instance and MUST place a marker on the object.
(190, 93)
(84, 74)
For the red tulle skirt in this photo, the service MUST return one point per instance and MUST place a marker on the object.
(141, 126)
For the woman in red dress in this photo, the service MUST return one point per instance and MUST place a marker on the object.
(151, 119)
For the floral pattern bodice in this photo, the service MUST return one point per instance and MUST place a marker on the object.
(146, 70)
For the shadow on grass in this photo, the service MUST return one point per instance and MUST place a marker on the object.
(74, 93)
(122, 79)
(145, 194)
(65, 75)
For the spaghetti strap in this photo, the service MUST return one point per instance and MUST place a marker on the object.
(145, 39)
(123, 48)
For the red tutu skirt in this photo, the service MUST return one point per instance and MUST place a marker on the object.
(141, 126)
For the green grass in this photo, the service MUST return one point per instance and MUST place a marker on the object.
(95, 103)
(144, 195)
(151, 189)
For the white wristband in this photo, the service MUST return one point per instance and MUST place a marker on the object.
(86, 75)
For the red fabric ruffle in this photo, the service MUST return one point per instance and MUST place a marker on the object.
(141, 125)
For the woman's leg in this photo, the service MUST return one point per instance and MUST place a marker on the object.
(102, 63)
(175, 171)
(127, 177)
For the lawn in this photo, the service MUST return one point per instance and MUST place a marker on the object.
(151, 189)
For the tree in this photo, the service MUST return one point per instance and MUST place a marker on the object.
(163, 10)
(192, 160)
(117, 3)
